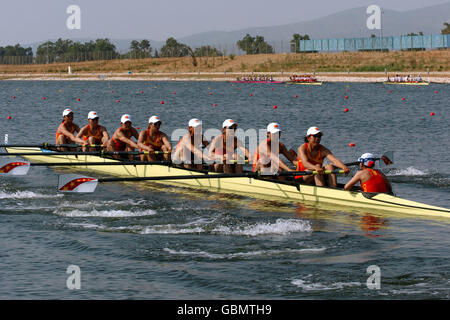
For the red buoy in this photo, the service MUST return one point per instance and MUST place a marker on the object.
(346, 110)
(346, 97)
(78, 99)
(436, 91)
(117, 100)
(403, 99)
(432, 113)
(251, 94)
(43, 98)
(351, 144)
(9, 117)
(210, 93)
(215, 104)
(275, 107)
(162, 101)
(296, 95)
(390, 91)
(14, 97)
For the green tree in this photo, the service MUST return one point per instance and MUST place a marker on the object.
(295, 42)
(172, 48)
(207, 51)
(446, 30)
(254, 45)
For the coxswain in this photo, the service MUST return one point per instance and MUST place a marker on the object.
(222, 149)
(266, 159)
(121, 139)
(189, 147)
(65, 134)
(93, 134)
(154, 141)
(371, 180)
(311, 155)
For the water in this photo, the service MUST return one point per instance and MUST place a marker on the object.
(144, 241)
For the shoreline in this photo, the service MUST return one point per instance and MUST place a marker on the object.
(362, 77)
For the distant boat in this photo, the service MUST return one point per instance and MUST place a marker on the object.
(408, 83)
(247, 81)
(313, 83)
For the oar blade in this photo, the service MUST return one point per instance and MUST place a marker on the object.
(14, 167)
(76, 183)
(387, 159)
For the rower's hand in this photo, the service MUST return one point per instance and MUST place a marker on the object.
(346, 170)
(319, 169)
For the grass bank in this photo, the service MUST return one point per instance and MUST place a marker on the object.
(395, 61)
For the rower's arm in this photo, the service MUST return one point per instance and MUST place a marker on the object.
(81, 132)
(166, 142)
(69, 134)
(288, 154)
(124, 139)
(105, 133)
(304, 159)
(356, 178)
(338, 163)
(140, 142)
(242, 147)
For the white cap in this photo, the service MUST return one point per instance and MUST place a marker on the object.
(367, 159)
(273, 127)
(92, 115)
(228, 123)
(194, 123)
(66, 112)
(154, 119)
(312, 131)
(125, 118)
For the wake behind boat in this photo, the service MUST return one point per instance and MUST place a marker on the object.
(246, 184)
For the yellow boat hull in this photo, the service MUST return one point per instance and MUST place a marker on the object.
(258, 188)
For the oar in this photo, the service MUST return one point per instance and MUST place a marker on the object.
(46, 145)
(19, 167)
(77, 183)
(387, 159)
(87, 153)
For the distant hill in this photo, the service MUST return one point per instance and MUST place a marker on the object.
(345, 24)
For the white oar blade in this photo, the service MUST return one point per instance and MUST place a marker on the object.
(76, 183)
(14, 167)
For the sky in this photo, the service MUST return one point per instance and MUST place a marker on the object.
(30, 21)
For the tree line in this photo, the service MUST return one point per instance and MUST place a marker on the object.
(65, 50)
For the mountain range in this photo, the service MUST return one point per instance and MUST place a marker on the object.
(345, 24)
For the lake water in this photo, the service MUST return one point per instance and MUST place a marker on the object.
(147, 241)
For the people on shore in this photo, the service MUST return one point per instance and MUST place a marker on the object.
(311, 156)
(223, 149)
(154, 141)
(93, 134)
(371, 180)
(65, 134)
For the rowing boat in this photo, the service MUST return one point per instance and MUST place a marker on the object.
(254, 187)
(408, 83)
(317, 83)
(269, 82)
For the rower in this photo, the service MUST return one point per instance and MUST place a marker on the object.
(93, 133)
(121, 139)
(310, 157)
(189, 148)
(224, 153)
(65, 132)
(371, 180)
(267, 160)
(153, 140)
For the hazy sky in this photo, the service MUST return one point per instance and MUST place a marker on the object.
(27, 21)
